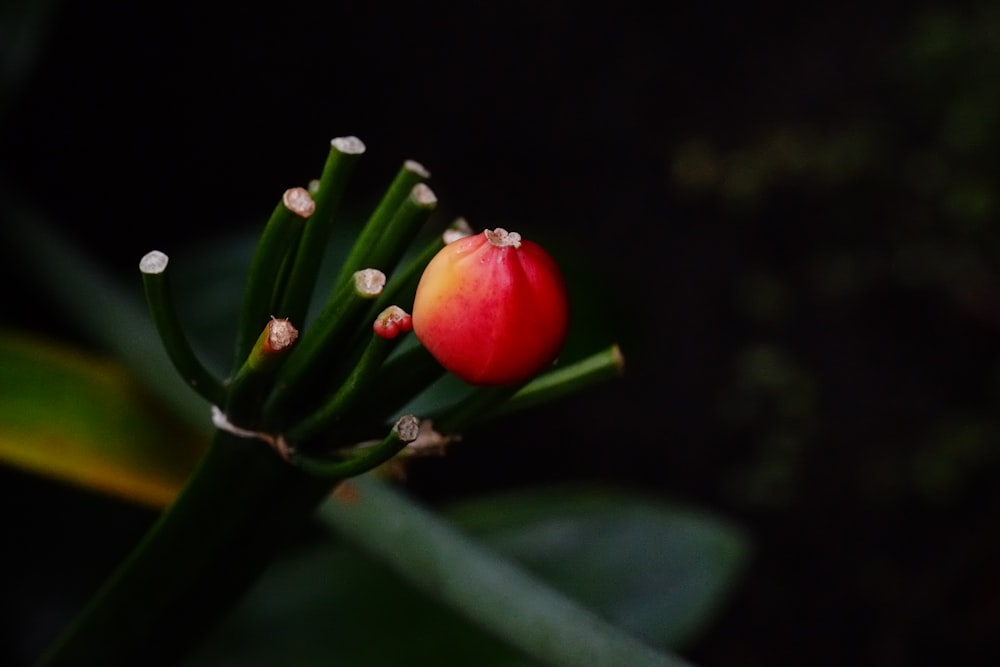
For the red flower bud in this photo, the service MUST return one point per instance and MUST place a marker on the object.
(392, 321)
(492, 308)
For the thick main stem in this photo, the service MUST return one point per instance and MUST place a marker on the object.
(235, 513)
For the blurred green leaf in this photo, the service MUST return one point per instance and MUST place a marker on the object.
(334, 606)
(659, 571)
(109, 313)
(83, 420)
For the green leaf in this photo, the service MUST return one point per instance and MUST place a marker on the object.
(333, 606)
(658, 570)
(110, 314)
(85, 420)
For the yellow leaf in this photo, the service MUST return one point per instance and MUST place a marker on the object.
(84, 420)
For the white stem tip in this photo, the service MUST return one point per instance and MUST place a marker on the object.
(299, 202)
(423, 196)
(153, 262)
(457, 230)
(416, 168)
(348, 145)
(368, 283)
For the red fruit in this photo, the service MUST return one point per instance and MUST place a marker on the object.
(492, 308)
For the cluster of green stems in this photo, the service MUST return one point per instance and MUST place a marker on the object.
(336, 384)
(308, 404)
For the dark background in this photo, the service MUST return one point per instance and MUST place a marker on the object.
(787, 212)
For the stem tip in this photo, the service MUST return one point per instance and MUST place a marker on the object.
(392, 321)
(459, 229)
(619, 359)
(280, 335)
(299, 202)
(368, 283)
(348, 145)
(416, 168)
(408, 428)
(423, 196)
(153, 262)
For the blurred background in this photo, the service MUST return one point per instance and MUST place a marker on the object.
(786, 215)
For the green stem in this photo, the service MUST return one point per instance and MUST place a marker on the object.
(154, 280)
(253, 379)
(486, 403)
(235, 513)
(397, 236)
(607, 364)
(399, 380)
(277, 242)
(343, 156)
(481, 585)
(374, 231)
(402, 284)
(363, 459)
(325, 338)
(348, 393)
(405, 375)
(470, 410)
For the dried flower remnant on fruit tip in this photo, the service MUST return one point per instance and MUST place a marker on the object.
(501, 238)
(391, 322)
